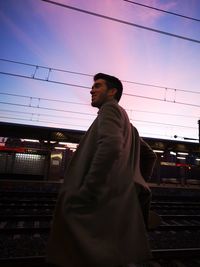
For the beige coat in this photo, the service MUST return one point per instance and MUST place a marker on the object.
(98, 220)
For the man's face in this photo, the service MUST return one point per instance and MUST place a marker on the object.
(100, 93)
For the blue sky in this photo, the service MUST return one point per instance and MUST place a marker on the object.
(160, 73)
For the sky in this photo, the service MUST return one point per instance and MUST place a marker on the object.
(49, 54)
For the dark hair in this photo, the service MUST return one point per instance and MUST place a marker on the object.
(112, 82)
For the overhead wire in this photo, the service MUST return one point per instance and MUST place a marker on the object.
(46, 108)
(43, 121)
(162, 10)
(90, 75)
(75, 125)
(84, 113)
(86, 87)
(87, 113)
(44, 80)
(79, 103)
(46, 99)
(75, 112)
(122, 21)
(87, 104)
(150, 122)
(166, 124)
(91, 13)
(68, 124)
(42, 114)
(44, 67)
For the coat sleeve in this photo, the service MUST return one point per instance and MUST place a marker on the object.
(147, 160)
(109, 146)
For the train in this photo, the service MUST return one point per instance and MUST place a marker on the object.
(42, 153)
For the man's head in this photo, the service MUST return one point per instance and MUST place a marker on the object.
(105, 88)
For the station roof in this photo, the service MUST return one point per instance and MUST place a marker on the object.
(22, 131)
(42, 133)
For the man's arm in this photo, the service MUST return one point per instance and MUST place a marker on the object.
(109, 146)
(147, 160)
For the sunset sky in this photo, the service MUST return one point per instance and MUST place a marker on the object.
(49, 54)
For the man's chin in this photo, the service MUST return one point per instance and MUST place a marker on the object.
(93, 104)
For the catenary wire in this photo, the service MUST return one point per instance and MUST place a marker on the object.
(52, 109)
(43, 121)
(162, 10)
(86, 87)
(135, 121)
(159, 123)
(44, 67)
(42, 114)
(85, 104)
(45, 108)
(45, 99)
(122, 21)
(90, 75)
(22, 119)
(75, 85)
(68, 124)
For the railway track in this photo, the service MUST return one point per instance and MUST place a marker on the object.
(31, 210)
(25, 221)
(33, 222)
(161, 258)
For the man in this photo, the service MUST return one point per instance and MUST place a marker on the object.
(98, 219)
(147, 162)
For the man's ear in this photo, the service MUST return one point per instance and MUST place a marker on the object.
(112, 92)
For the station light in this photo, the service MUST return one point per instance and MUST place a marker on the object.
(182, 153)
(28, 156)
(31, 140)
(158, 151)
(60, 148)
(181, 158)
